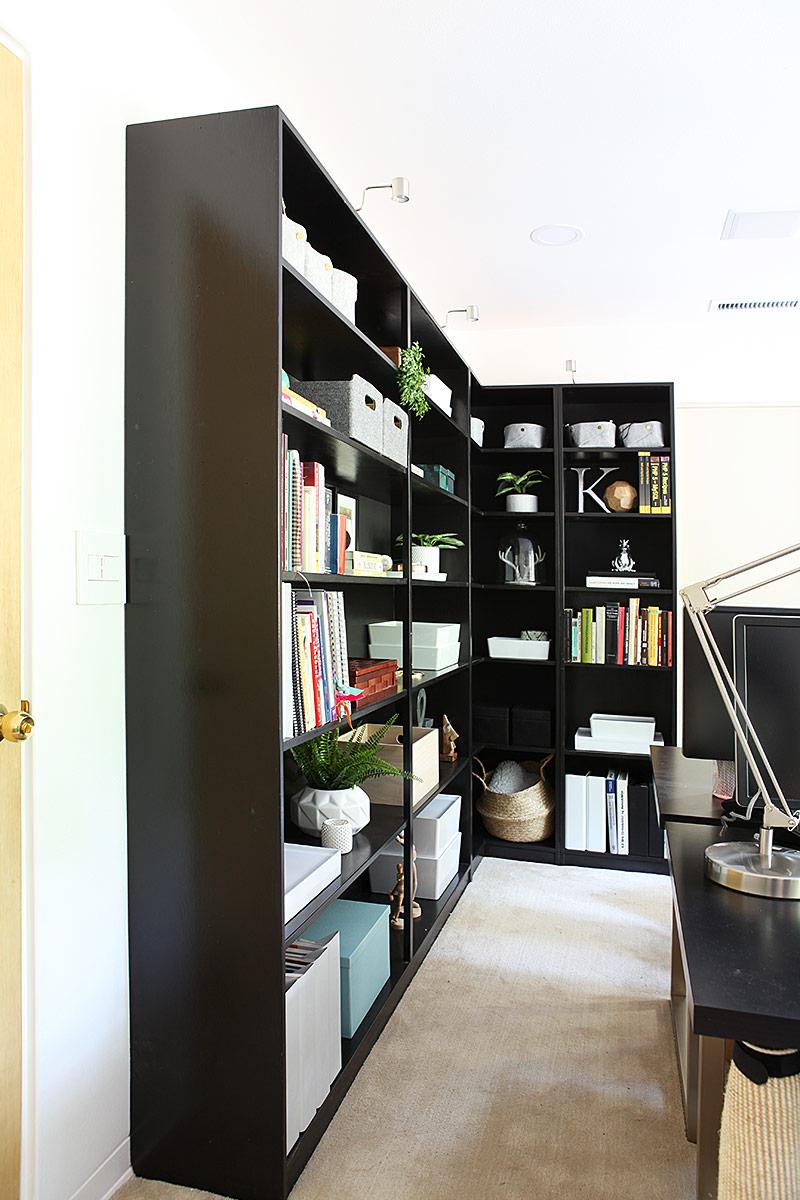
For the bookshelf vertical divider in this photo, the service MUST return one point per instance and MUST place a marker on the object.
(213, 314)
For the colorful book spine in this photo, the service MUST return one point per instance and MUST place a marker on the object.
(644, 482)
(655, 486)
(666, 484)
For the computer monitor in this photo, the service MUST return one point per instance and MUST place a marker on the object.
(707, 731)
(766, 668)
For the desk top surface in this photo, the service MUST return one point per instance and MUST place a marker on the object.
(683, 787)
(741, 953)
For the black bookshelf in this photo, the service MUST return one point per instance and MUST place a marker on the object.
(213, 315)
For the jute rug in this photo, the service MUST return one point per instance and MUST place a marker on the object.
(530, 1059)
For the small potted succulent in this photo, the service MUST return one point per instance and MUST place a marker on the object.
(516, 489)
(425, 548)
(333, 773)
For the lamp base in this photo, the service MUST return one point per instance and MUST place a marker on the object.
(739, 866)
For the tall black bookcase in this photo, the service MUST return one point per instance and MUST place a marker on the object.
(213, 315)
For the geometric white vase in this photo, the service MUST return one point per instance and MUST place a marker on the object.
(427, 556)
(311, 807)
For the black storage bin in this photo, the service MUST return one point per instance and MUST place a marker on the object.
(490, 724)
(531, 727)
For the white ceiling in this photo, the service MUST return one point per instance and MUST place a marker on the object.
(641, 121)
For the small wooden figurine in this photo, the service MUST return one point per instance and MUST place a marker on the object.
(397, 894)
(449, 739)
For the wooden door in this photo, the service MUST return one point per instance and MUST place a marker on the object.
(11, 359)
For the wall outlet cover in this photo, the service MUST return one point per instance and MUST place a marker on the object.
(100, 568)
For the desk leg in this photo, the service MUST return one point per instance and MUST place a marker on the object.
(685, 1041)
(712, 1062)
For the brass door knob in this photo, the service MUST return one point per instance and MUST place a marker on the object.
(16, 726)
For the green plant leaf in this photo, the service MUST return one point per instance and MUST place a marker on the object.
(411, 376)
(329, 763)
(509, 483)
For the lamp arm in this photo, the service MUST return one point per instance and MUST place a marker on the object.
(373, 187)
(733, 701)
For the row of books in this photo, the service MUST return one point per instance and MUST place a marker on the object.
(313, 1029)
(315, 674)
(625, 634)
(295, 400)
(610, 814)
(314, 532)
(655, 483)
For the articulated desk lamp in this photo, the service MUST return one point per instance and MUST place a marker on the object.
(762, 870)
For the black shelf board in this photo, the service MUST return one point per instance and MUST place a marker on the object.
(309, 318)
(321, 579)
(615, 862)
(505, 747)
(613, 451)
(504, 515)
(426, 490)
(440, 583)
(360, 714)
(527, 662)
(601, 516)
(431, 677)
(591, 591)
(510, 452)
(607, 754)
(385, 822)
(516, 587)
(347, 462)
(608, 666)
(544, 852)
(447, 773)
(442, 425)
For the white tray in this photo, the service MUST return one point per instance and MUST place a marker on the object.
(506, 647)
(307, 870)
(617, 727)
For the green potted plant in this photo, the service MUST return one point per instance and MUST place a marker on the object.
(516, 489)
(411, 376)
(425, 548)
(333, 773)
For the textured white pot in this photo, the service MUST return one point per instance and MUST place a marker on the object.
(429, 556)
(516, 503)
(312, 807)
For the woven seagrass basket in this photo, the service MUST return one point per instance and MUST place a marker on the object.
(525, 816)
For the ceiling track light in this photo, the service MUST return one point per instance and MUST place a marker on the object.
(470, 312)
(399, 188)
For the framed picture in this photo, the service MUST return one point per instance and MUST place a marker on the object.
(347, 508)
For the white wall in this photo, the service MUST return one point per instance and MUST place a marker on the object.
(95, 68)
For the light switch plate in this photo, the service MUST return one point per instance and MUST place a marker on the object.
(100, 568)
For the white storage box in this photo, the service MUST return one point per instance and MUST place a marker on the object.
(612, 727)
(591, 435)
(423, 658)
(506, 647)
(388, 789)
(307, 870)
(293, 243)
(344, 293)
(521, 437)
(438, 393)
(395, 432)
(437, 825)
(423, 633)
(433, 874)
(318, 270)
(642, 433)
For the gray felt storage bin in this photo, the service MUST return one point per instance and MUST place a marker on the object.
(354, 406)
(395, 432)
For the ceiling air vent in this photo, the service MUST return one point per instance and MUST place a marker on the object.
(750, 305)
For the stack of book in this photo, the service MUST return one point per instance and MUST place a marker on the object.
(625, 634)
(624, 581)
(607, 813)
(314, 658)
(313, 1029)
(314, 533)
(655, 483)
(295, 400)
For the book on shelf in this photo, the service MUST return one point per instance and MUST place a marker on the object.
(314, 657)
(312, 989)
(611, 809)
(624, 582)
(575, 812)
(365, 562)
(596, 813)
(626, 634)
(295, 400)
(655, 484)
(314, 532)
(622, 812)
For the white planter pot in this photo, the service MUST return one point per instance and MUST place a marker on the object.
(428, 556)
(516, 503)
(311, 808)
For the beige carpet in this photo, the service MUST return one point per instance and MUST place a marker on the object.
(532, 1056)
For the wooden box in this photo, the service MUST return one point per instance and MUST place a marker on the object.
(388, 789)
(377, 677)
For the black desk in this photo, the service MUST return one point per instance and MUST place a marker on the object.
(735, 975)
(683, 787)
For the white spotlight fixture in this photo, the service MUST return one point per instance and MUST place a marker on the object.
(470, 312)
(556, 235)
(399, 188)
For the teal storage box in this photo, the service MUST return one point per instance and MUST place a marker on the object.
(364, 954)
